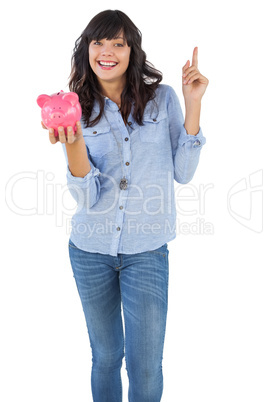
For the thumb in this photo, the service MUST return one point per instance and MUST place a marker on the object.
(43, 125)
(185, 66)
(78, 129)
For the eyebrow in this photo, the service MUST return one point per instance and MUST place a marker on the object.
(116, 37)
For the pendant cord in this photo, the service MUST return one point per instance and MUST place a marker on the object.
(123, 181)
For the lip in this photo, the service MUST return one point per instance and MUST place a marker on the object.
(107, 67)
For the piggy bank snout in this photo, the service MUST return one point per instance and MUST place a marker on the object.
(57, 116)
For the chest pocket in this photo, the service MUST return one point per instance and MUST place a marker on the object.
(154, 128)
(99, 140)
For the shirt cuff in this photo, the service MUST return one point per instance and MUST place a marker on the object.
(197, 140)
(82, 181)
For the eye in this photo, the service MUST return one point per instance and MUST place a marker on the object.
(97, 43)
(119, 45)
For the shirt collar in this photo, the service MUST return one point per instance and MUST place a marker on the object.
(108, 103)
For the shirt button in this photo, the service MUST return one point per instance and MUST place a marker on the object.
(126, 139)
(196, 143)
(154, 119)
(129, 123)
(127, 163)
(118, 229)
(94, 132)
(121, 207)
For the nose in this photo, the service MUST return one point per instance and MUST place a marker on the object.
(57, 117)
(107, 49)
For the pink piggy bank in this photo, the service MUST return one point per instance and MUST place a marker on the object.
(60, 109)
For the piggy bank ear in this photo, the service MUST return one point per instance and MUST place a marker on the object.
(42, 99)
(71, 97)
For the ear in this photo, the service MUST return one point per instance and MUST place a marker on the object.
(71, 97)
(42, 99)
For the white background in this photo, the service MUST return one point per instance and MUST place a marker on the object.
(216, 342)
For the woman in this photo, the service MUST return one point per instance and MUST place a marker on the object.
(130, 145)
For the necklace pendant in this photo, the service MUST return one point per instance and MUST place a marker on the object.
(123, 184)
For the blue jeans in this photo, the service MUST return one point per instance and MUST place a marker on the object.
(138, 282)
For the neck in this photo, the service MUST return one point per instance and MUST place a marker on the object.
(113, 90)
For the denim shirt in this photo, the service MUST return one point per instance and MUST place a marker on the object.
(142, 217)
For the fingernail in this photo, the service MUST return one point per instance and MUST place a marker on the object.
(51, 130)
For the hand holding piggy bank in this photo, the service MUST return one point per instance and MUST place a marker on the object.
(61, 109)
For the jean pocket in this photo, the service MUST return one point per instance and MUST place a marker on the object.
(71, 244)
(160, 250)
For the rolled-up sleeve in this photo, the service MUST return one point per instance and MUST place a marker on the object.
(85, 190)
(186, 148)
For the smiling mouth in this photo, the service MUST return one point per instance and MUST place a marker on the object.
(107, 64)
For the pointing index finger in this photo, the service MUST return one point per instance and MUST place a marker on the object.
(195, 57)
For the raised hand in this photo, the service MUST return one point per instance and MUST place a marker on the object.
(194, 84)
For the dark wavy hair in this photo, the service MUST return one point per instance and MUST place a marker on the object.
(142, 79)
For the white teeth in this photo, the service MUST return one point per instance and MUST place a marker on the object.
(107, 63)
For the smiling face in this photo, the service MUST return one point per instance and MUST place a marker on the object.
(109, 59)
